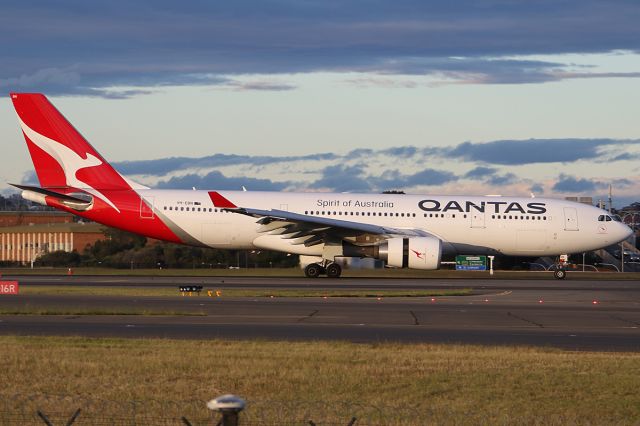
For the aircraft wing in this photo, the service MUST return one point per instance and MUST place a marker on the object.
(311, 230)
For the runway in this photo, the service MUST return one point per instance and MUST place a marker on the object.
(573, 314)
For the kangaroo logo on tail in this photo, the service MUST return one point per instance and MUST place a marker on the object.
(69, 161)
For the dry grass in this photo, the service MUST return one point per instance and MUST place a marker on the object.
(441, 383)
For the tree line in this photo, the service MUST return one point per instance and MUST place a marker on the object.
(122, 249)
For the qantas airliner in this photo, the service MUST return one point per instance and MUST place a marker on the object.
(406, 231)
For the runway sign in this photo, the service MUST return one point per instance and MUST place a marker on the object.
(471, 263)
(9, 287)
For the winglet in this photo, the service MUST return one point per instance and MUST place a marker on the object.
(221, 202)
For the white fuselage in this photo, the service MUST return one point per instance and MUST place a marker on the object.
(469, 225)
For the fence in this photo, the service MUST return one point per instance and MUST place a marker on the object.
(59, 410)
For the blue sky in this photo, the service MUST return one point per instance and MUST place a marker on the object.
(477, 97)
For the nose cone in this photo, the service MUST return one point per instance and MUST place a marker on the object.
(623, 232)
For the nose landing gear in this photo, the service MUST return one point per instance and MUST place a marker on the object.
(560, 274)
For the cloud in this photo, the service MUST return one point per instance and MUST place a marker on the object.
(356, 178)
(518, 152)
(537, 189)
(342, 178)
(502, 180)
(261, 86)
(571, 184)
(164, 166)
(625, 156)
(71, 49)
(401, 151)
(480, 172)
(490, 165)
(217, 180)
(426, 177)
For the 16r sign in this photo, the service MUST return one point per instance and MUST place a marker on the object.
(8, 287)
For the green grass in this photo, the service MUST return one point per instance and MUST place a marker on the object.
(326, 382)
(229, 292)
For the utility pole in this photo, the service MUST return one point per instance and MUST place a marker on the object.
(610, 190)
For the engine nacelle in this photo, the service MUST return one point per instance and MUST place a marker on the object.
(414, 253)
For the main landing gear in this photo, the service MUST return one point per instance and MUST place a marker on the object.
(331, 269)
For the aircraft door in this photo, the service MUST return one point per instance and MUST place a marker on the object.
(570, 219)
(477, 219)
(146, 208)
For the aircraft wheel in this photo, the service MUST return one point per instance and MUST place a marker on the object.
(313, 270)
(560, 274)
(334, 270)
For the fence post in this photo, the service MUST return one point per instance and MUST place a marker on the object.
(44, 418)
(74, 417)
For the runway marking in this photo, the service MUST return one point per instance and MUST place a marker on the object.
(634, 323)
(308, 316)
(524, 319)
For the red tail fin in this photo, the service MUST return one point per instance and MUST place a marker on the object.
(61, 156)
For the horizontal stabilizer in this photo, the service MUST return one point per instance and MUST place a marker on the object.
(79, 202)
(47, 192)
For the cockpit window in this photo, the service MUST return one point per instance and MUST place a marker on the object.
(607, 218)
(617, 218)
(601, 218)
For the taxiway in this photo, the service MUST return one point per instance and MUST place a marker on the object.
(573, 314)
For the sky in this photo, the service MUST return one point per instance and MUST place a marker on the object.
(435, 97)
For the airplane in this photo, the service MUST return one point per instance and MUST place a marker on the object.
(405, 231)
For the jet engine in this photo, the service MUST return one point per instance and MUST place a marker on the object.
(413, 252)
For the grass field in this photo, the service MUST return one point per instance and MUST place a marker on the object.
(443, 384)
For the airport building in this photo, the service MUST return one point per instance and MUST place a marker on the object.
(18, 218)
(24, 236)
